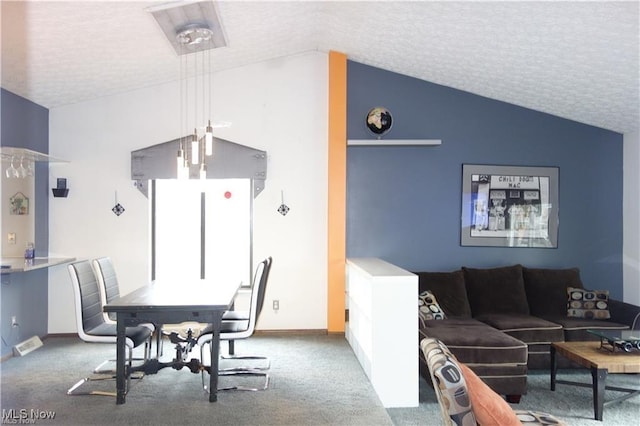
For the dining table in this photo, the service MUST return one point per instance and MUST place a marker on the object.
(171, 302)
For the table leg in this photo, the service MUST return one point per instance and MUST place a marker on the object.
(120, 361)
(554, 367)
(232, 347)
(215, 353)
(599, 377)
(159, 347)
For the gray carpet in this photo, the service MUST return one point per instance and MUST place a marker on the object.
(315, 380)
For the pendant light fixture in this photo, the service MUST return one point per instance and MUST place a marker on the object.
(193, 29)
(195, 38)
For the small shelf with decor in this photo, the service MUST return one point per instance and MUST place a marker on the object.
(9, 153)
(379, 121)
(394, 142)
(21, 163)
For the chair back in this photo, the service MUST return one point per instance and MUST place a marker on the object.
(88, 301)
(107, 278)
(108, 283)
(263, 284)
(258, 293)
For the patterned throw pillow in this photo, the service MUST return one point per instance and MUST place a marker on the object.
(448, 383)
(428, 308)
(588, 304)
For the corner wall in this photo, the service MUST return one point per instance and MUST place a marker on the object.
(24, 295)
(404, 203)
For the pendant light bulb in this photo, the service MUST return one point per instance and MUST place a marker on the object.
(208, 141)
(203, 171)
(180, 164)
(195, 154)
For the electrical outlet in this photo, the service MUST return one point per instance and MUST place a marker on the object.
(11, 238)
(14, 321)
(276, 305)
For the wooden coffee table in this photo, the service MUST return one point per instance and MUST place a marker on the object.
(601, 362)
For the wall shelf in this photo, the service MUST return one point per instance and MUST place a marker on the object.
(7, 152)
(394, 142)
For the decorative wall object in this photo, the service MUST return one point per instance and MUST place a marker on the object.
(379, 121)
(19, 204)
(118, 209)
(283, 209)
(509, 206)
(61, 189)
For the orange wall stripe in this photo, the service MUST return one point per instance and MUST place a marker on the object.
(337, 185)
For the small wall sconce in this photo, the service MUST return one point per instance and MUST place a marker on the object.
(61, 190)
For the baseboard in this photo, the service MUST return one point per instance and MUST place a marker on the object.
(315, 331)
(46, 336)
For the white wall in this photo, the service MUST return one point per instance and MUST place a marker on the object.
(631, 213)
(279, 106)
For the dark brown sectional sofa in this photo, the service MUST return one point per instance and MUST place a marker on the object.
(501, 321)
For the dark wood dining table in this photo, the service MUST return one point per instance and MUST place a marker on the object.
(171, 302)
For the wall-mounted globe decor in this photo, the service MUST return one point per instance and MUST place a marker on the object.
(379, 121)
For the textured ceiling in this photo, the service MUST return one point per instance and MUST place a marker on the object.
(578, 60)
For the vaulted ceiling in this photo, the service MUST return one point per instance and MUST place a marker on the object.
(577, 60)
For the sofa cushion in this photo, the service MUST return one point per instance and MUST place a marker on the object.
(575, 329)
(454, 322)
(478, 344)
(547, 289)
(496, 290)
(499, 359)
(449, 289)
(590, 304)
(527, 328)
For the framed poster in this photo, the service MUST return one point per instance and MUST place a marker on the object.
(509, 206)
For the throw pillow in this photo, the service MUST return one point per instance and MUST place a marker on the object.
(448, 383)
(428, 308)
(588, 304)
(489, 408)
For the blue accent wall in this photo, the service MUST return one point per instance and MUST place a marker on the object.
(25, 124)
(404, 203)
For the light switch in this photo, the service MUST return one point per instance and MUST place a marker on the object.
(11, 238)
